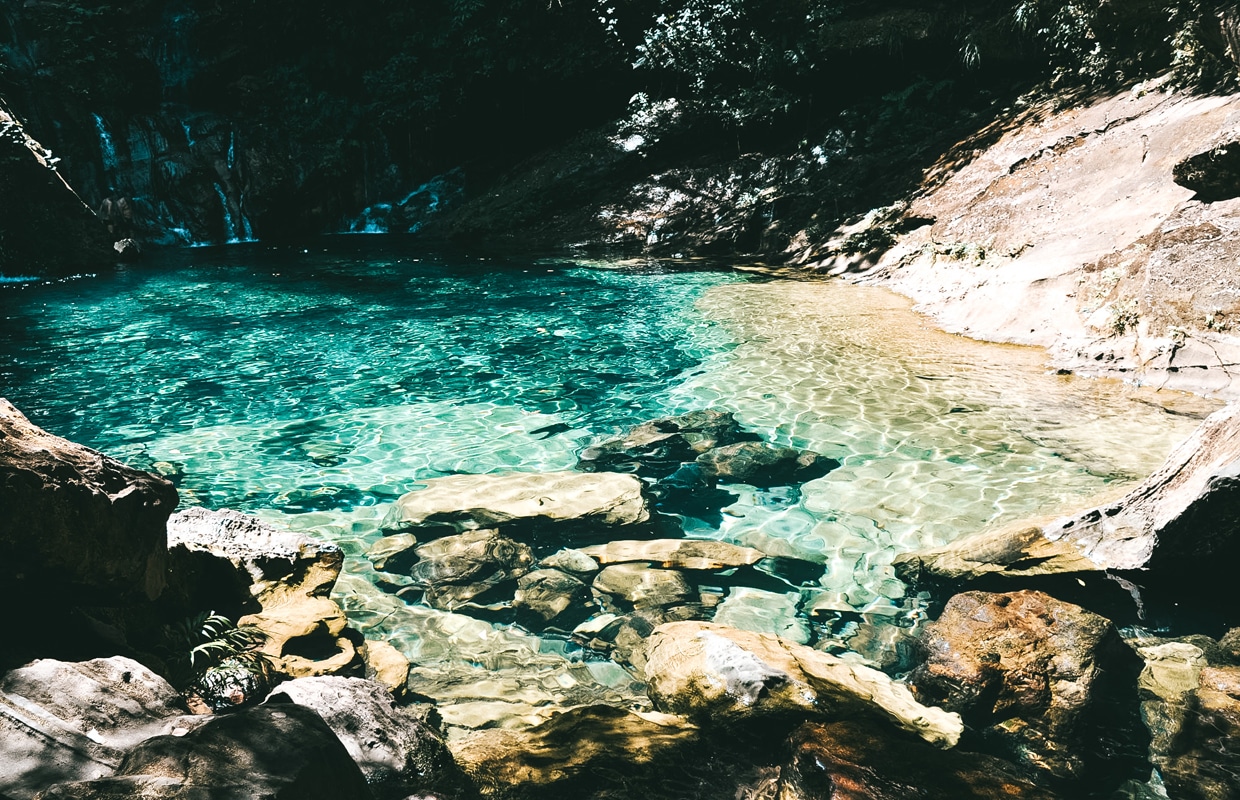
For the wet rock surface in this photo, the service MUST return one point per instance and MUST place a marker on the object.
(761, 464)
(548, 596)
(1040, 681)
(694, 554)
(1203, 762)
(471, 567)
(657, 448)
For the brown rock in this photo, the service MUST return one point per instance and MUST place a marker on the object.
(387, 665)
(1028, 672)
(762, 464)
(657, 448)
(548, 596)
(77, 526)
(460, 569)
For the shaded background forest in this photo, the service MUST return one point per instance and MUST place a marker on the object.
(668, 126)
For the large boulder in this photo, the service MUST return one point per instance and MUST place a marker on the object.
(1204, 761)
(850, 761)
(1042, 682)
(715, 673)
(397, 748)
(525, 503)
(1214, 173)
(572, 754)
(277, 751)
(62, 721)
(76, 527)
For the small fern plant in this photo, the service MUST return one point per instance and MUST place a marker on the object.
(219, 661)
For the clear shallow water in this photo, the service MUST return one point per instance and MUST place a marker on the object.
(313, 387)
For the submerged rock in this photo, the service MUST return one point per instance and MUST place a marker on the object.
(573, 753)
(762, 464)
(524, 502)
(713, 672)
(641, 585)
(569, 560)
(399, 751)
(77, 526)
(1043, 682)
(550, 597)
(1178, 525)
(277, 751)
(703, 554)
(456, 570)
(764, 612)
(657, 448)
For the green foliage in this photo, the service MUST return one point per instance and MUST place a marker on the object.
(208, 654)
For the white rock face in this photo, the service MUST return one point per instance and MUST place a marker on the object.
(550, 499)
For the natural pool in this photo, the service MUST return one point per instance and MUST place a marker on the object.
(312, 386)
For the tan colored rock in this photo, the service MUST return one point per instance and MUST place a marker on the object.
(709, 671)
(542, 500)
(395, 553)
(457, 570)
(569, 746)
(388, 665)
(304, 636)
(703, 554)
(641, 585)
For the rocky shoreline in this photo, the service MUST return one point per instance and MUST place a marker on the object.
(1007, 694)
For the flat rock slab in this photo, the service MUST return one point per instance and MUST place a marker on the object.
(676, 553)
(641, 585)
(548, 500)
(713, 672)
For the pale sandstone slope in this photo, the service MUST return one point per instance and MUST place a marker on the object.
(1069, 232)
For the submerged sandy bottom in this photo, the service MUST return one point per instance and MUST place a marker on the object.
(939, 436)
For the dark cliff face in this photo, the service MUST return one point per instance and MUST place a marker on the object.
(695, 126)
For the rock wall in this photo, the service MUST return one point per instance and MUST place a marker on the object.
(44, 225)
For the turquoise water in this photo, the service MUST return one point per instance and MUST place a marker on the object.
(313, 386)
(340, 376)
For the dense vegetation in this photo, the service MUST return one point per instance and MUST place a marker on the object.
(345, 90)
